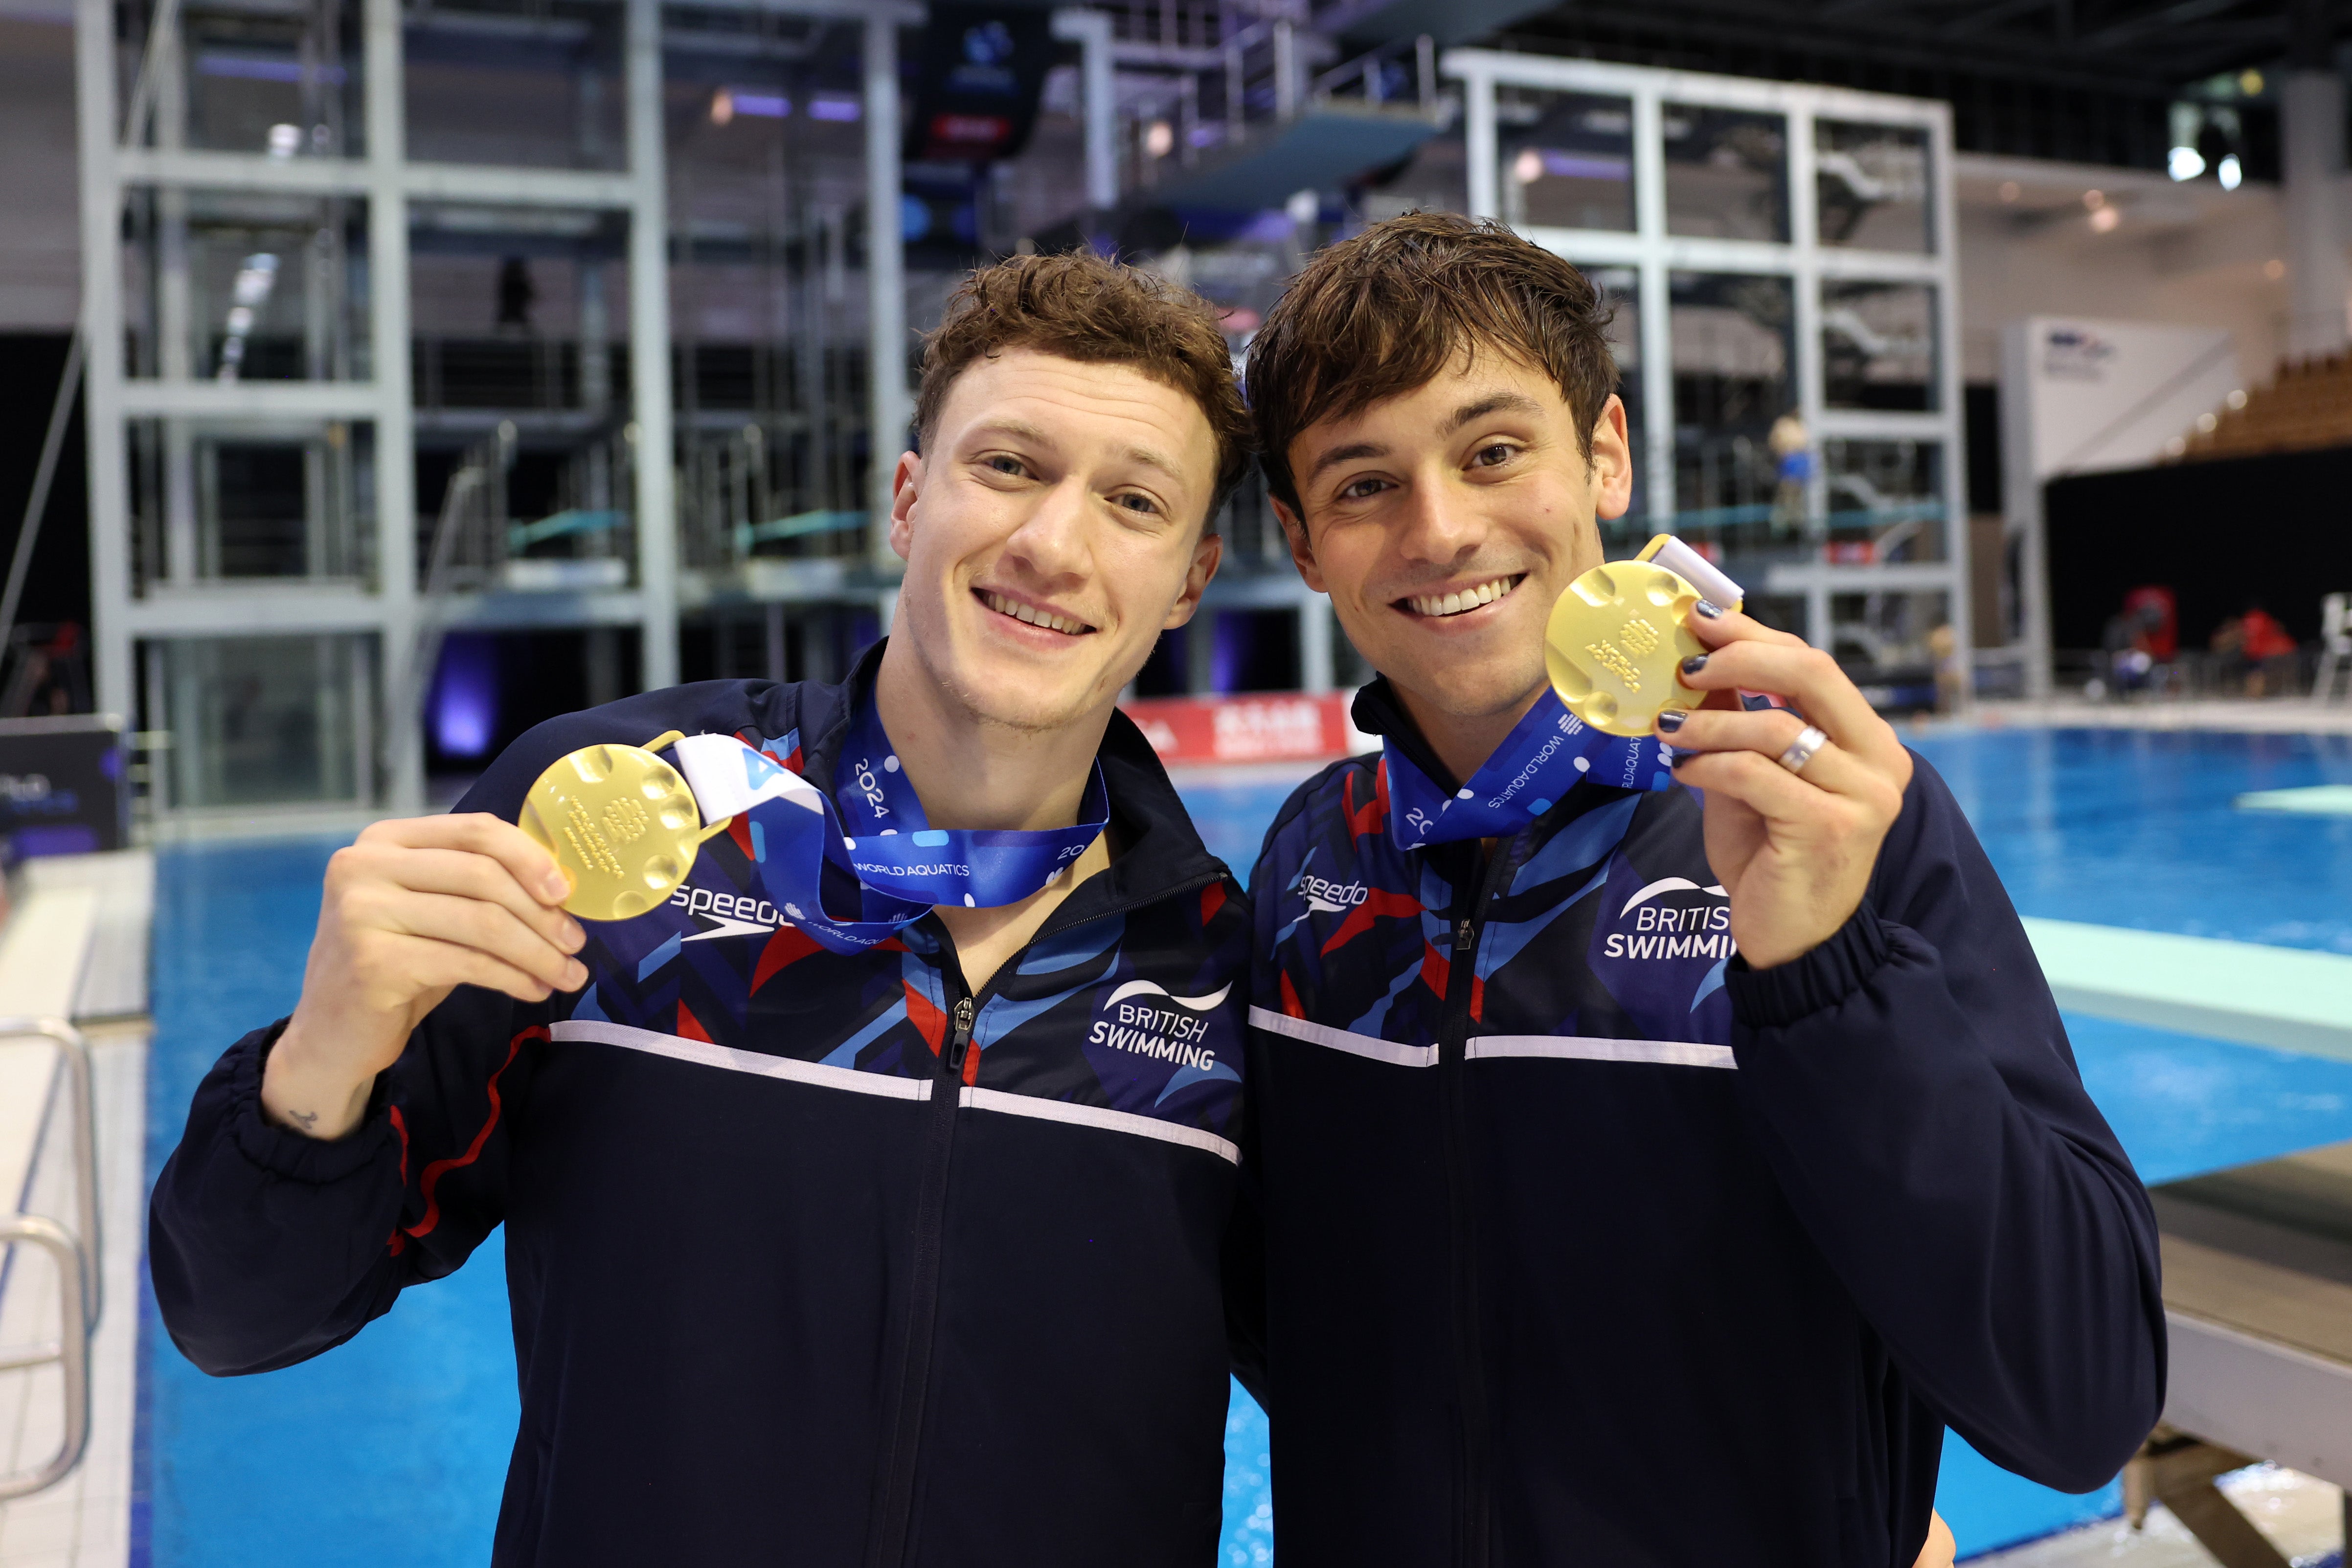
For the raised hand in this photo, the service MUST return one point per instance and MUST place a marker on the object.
(413, 909)
(1793, 847)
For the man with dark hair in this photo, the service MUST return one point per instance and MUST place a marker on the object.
(844, 1226)
(1654, 1158)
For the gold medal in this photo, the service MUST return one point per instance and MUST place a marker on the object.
(621, 822)
(1616, 641)
(1615, 644)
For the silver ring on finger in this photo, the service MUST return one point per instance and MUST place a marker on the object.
(1801, 750)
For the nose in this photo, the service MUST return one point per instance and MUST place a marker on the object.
(1441, 527)
(1050, 542)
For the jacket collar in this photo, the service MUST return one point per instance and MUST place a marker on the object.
(1160, 852)
(1378, 710)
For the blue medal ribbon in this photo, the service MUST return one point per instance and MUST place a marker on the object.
(878, 835)
(1548, 752)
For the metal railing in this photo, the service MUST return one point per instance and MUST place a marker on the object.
(75, 1256)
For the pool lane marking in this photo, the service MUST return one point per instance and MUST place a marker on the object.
(2316, 799)
(2288, 999)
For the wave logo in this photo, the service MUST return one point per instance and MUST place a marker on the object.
(1682, 929)
(1143, 1019)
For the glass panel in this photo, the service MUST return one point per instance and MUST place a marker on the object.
(1727, 174)
(1620, 293)
(214, 500)
(541, 89)
(1885, 500)
(1878, 345)
(1872, 185)
(285, 81)
(1734, 380)
(275, 286)
(265, 720)
(1567, 159)
(1889, 643)
(549, 507)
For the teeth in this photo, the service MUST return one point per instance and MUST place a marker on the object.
(1035, 616)
(1467, 599)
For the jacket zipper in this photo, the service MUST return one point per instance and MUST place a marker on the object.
(892, 1536)
(1473, 1533)
(893, 1533)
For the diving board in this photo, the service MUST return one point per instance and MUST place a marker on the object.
(2289, 998)
(2313, 800)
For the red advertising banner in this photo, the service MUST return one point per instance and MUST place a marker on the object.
(1269, 726)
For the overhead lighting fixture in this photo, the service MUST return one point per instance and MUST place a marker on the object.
(2186, 163)
(2231, 174)
(1527, 168)
(1159, 139)
(2010, 190)
(2095, 200)
(2250, 82)
(722, 107)
(2104, 219)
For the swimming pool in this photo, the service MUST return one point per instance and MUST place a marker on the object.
(393, 1449)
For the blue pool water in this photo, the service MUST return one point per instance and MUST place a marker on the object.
(393, 1449)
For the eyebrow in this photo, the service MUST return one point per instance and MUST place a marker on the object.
(1496, 402)
(1348, 454)
(1022, 430)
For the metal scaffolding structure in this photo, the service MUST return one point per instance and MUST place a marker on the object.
(1780, 250)
(351, 609)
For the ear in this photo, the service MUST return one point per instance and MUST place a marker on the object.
(1207, 554)
(905, 481)
(1611, 469)
(1302, 549)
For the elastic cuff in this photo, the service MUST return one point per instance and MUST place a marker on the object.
(1811, 982)
(281, 1151)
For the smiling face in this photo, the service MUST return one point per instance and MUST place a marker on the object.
(1445, 522)
(1051, 528)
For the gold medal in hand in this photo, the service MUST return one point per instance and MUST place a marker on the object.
(621, 822)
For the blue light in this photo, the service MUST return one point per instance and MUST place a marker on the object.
(464, 708)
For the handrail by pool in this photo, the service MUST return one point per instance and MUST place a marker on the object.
(83, 1109)
(71, 1348)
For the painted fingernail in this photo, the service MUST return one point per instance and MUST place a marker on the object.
(1695, 664)
(1671, 720)
(1707, 609)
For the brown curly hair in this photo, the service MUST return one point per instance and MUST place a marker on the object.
(1080, 307)
(1380, 314)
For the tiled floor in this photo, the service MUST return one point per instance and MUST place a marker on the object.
(2302, 1517)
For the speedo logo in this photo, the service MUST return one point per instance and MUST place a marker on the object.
(1683, 929)
(1325, 896)
(1146, 1020)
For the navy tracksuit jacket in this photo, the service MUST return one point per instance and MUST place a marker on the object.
(1589, 1246)
(814, 1260)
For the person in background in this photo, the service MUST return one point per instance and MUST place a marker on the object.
(1653, 1160)
(895, 1242)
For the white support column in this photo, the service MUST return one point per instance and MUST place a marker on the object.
(1315, 648)
(1097, 101)
(656, 463)
(101, 328)
(1478, 146)
(2311, 130)
(396, 437)
(1943, 235)
(1806, 359)
(888, 406)
(1657, 307)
